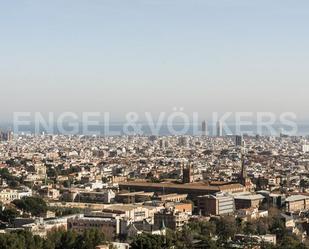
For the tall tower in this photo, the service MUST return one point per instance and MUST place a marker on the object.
(243, 173)
(10, 135)
(204, 128)
(187, 176)
(239, 141)
(219, 129)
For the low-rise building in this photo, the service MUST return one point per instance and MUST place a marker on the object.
(134, 197)
(248, 201)
(9, 195)
(296, 203)
(171, 219)
(110, 226)
(171, 197)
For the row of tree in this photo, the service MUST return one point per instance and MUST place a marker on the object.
(196, 235)
(55, 240)
(147, 241)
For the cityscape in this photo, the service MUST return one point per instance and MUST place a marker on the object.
(133, 186)
(151, 124)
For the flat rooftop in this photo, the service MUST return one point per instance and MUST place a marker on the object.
(193, 186)
(136, 193)
(296, 198)
(249, 197)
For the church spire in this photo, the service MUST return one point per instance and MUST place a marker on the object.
(243, 176)
(243, 173)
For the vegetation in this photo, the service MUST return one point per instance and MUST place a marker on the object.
(55, 240)
(150, 242)
(8, 214)
(34, 205)
(12, 181)
(216, 234)
(65, 211)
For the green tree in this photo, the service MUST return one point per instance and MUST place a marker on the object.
(8, 214)
(68, 240)
(12, 181)
(184, 238)
(148, 241)
(250, 228)
(291, 242)
(90, 239)
(262, 226)
(226, 227)
(34, 205)
(202, 228)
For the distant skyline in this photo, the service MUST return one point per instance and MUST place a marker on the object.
(153, 55)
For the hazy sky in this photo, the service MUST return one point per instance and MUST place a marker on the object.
(153, 55)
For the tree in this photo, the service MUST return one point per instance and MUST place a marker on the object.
(12, 181)
(148, 241)
(291, 242)
(262, 226)
(68, 240)
(34, 205)
(250, 228)
(66, 211)
(20, 240)
(203, 228)
(278, 228)
(184, 238)
(206, 243)
(90, 239)
(226, 227)
(55, 240)
(8, 214)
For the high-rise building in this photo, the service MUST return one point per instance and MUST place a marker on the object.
(163, 143)
(239, 141)
(305, 148)
(219, 129)
(6, 136)
(10, 135)
(204, 128)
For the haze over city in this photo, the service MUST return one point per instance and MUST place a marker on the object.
(146, 55)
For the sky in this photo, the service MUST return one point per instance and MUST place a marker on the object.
(119, 56)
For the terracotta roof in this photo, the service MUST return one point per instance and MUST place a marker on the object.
(182, 186)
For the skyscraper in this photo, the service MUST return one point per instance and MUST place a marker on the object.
(204, 128)
(239, 141)
(219, 129)
(6, 136)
